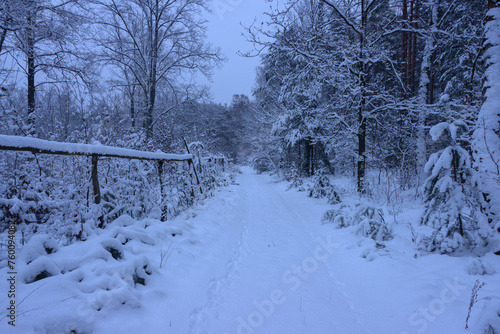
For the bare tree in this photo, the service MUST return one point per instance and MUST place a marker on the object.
(155, 42)
(44, 34)
(11, 13)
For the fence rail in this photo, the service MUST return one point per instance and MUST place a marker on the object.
(34, 145)
(40, 146)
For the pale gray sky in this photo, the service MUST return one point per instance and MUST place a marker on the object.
(237, 76)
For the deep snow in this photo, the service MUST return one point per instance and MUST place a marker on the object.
(253, 259)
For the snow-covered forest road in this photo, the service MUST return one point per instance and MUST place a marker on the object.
(373, 131)
(265, 264)
(254, 258)
(261, 268)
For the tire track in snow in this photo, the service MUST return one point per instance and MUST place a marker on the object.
(200, 316)
(338, 294)
(255, 198)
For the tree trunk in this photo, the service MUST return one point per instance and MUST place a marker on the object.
(409, 47)
(95, 180)
(487, 134)
(404, 52)
(2, 38)
(361, 163)
(425, 95)
(8, 21)
(149, 113)
(153, 30)
(132, 106)
(30, 60)
(313, 160)
(361, 153)
(307, 157)
(413, 44)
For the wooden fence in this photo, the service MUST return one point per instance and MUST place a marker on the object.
(39, 146)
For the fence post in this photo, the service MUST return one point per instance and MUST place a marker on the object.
(162, 196)
(160, 176)
(95, 180)
(191, 161)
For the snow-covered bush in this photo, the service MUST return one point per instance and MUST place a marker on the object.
(368, 221)
(112, 209)
(39, 269)
(54, 195)
(26, 198)
(321, 187)
(262, 164)
(340, 218)
(41, 244)
(213, 173)
(373, 252)
(479, 267)
(43, 194)
(451, 199)
(114, 247)
(106, 273)
(294, 179)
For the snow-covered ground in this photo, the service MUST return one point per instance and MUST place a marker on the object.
(253, 259)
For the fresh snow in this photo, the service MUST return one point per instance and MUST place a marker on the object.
(486, 135)
(17, 142)
(255, 258)
(437, 130)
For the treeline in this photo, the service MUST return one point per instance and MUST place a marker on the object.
(358, 84)
(399, 92)
(119, 73)
(105, 71)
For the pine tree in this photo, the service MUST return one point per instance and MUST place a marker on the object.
(487, 135)
(451, 204)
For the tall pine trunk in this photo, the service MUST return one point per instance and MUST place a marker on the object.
(361, 163)
(409, 47)
(425, 91)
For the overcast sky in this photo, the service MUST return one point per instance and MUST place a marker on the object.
(237, 76)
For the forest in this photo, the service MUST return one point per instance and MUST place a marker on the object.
(395, 95)
(121, 177)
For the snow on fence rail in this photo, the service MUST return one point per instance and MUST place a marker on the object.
(34, 145)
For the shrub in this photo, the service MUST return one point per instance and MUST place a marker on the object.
(368, 221)
(321, 188)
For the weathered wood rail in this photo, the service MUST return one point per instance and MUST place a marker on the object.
(40, 146)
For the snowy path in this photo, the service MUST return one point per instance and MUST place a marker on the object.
(257, 260)
(256, 270)
(274, 241)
